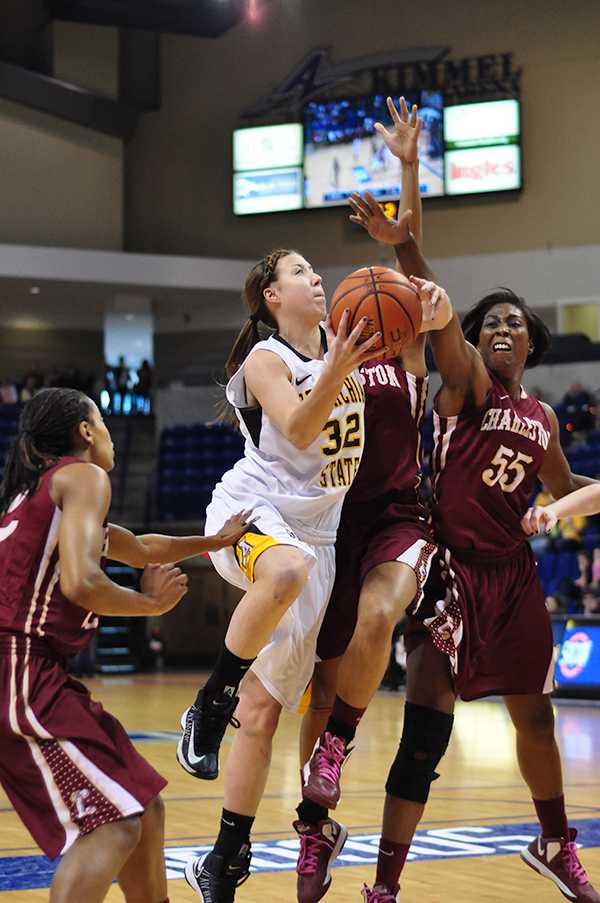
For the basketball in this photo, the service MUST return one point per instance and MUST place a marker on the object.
(386, 298)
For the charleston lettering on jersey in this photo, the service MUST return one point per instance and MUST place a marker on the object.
(380, 374)
(502, 419)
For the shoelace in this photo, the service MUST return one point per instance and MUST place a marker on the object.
(214, 718)
(572, 864)
(377, 896)
(330, 757)
(310, 847)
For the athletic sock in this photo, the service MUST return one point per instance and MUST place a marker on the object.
(344, 720)
(234, 834)
(552, 817)
(227, 674)
(390, 863)
(311, 813)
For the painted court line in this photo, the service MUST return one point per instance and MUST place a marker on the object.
(277, 855)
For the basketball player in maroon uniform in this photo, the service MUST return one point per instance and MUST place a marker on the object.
(384, 549)
(67, 766)
(487, 617)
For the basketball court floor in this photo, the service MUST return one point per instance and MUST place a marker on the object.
(466, 849)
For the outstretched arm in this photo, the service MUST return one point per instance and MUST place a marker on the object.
(155, 548)
(83, 493)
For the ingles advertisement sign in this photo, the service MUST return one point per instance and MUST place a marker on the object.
(579, 660)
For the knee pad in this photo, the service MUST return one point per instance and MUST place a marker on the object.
(425, 737)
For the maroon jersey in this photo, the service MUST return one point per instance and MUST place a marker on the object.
(31, 602)
(392, 458)
(484, 465)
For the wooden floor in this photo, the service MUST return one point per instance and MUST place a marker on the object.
(479, 796)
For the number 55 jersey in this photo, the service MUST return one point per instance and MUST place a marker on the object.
(484, 605)
(485, 463)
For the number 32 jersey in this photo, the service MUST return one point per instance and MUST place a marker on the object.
(484, 465)
(307, 486)
(31, 602)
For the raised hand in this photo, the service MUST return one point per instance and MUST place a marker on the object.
(538, 520)
(403, 138)
(347, 352)
(367, 213)
(435, 304)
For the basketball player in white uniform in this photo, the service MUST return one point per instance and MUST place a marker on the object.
(299, 399)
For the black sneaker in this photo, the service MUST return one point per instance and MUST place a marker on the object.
(204, 724)
(215, 879)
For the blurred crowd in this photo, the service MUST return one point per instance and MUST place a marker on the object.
(18, 391)
(122, 390)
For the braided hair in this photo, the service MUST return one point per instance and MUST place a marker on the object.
(47, 431)
(259, 278)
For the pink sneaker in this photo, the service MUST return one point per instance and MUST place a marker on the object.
(319, 847)
(379, 895)
(321, 775)
(556, 858)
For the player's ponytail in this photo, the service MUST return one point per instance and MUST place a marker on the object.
(259, 278)
(47, 432)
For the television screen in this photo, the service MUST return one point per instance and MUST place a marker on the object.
(267, 146)
(268, 190)
(483, 152)
(344, 153)
(579, 660)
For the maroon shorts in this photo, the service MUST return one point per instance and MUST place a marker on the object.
(66, 765)
(371, 534)
(490, 617)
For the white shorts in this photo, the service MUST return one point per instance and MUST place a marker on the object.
(285, 665)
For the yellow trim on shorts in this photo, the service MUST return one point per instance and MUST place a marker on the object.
(249, 548)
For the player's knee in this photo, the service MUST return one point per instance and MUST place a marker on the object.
(425, 737)
(288, 581)
(377, 618)
(127, 833)
(259, 716)
(537, 721)
(154, 813)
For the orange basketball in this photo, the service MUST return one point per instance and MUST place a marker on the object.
(386, 298)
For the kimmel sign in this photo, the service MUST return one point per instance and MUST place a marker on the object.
(482, 77)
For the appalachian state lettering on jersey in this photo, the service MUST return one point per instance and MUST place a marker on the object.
(342, 433)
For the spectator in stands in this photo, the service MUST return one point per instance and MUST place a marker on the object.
(29, 388)
(8, 392)
(568, 595)
(579, 407)
(595, 582)
(585, 571)
(143, 388)
(591, 604)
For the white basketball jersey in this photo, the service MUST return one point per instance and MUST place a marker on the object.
(307, 486)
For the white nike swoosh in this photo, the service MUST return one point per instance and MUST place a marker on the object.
(192, 757)
(502, 397)
(230, 823)
(383, 852)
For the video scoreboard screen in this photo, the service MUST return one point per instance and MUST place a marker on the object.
(267, 168)
(482, 147)
(470, 148)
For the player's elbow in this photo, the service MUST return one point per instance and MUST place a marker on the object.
(80, 587)
(299, 439)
